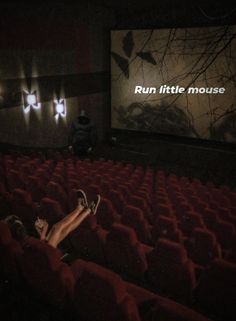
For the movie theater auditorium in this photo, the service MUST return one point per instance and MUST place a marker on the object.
(162, 245)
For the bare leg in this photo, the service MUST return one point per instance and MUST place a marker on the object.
(61, 229)
(71, 216)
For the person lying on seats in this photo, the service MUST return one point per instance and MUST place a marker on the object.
(61, 229)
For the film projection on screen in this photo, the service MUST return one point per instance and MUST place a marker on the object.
(175, 81)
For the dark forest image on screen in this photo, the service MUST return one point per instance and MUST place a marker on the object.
(188, 57)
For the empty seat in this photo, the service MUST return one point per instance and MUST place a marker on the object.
(5, 204)
(58, 178)
(117, 200)
(23, 206)
(141, 203)
(161, 209)
(166, 227)
(181, 209)
(50, 210)
(45, 273)
(202, 247)
(225, 233)
(189, 221)
(88, 241)
(168, 310)
(124, 252)
(56, 192)
(10, 250)
(36, 189)
(231, 255)
(92, 191)
(210, 218)
(43, 175)
(101, 295)
(106, 214)
(133, 217)
(14, 180)
(216, 290)
(170, 271)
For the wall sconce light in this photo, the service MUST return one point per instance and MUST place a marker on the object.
(59, 108)
(30, 100)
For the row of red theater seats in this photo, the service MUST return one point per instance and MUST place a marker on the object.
(201, 244)
(164, 206)
(17, 175)
(178, 211)
(195, 192)
(89, 290)
(184, 201)
(122, 241)
(187, 218)
(165, 268)
(186, 221)
(182, 218)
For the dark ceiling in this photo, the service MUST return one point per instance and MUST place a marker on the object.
(208, 11)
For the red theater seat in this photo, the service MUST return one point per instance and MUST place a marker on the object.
(101, 295)
(46, 274)
(166, 227)
(26, 170)
(141, 203)
(225, 233)
(14, 180)
(50, 210)
(168, 310)
(161, 209)
(231, 255)
(43, 175)
(117, 200)
(58, 178)
(202, 247)
(10, 251)
(189, 221)
(106, 215)
(210, 218)
(170, 271)
(23, 206)
(35, 188)
(5, 204)
(88, 241)
(56, 192)
(124, 253)
(133, 217)
(216, 290)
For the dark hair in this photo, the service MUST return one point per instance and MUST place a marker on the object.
(17, 228)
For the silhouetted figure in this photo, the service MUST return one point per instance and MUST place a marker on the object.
(83, 135)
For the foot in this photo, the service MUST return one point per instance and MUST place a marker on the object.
(82, 198)
(94, 204)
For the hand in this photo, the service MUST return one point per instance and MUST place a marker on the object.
(41, 227)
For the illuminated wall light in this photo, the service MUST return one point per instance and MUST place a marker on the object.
(59, 108)
(30, 100)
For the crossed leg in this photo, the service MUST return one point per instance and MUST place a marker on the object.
(61, 229)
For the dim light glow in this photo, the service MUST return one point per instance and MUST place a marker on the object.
(30, 100)
(59, 108)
